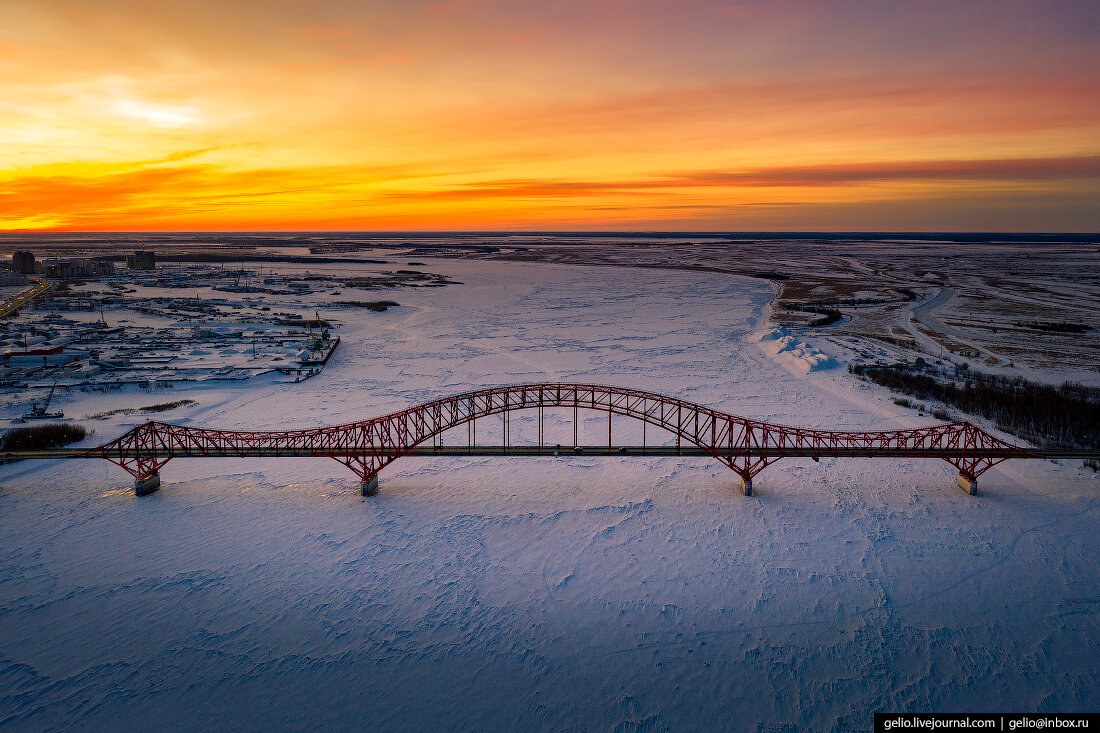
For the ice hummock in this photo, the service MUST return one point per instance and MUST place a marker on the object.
(787, 349)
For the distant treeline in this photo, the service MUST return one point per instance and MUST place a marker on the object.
(1058, 327)
(827, 319)
(829, 316)
(303, 323)
(1062, 417)
(242, 257)
(372, 305)
(148, 409)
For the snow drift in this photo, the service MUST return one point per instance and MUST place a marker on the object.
(789, 351)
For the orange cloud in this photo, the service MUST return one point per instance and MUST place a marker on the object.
(444, 113)
(993, 171)
(161, 196)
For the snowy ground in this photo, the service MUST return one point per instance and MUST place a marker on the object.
(584, 593)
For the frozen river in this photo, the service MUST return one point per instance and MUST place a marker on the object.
(627, 594)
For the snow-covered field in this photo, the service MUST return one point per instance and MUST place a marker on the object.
(580, 593)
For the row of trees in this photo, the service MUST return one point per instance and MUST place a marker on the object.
(1055, 326)
(1064, 417)
(829, 316)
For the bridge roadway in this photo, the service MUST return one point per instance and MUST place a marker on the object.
(565, 451)
(13, 304)
(744, 445)
(656, 451)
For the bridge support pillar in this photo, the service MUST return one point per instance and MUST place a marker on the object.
(968, 484)
(370, 486)
(147, 484)
(746, 486)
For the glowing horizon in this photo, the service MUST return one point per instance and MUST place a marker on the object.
(469, 114)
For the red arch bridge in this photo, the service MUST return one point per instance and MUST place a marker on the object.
(746, 446)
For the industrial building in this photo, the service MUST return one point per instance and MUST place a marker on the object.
(142, 260)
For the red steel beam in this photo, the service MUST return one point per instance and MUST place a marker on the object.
(746, 446)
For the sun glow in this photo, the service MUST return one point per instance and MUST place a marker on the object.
(138, 116)
(159, 115)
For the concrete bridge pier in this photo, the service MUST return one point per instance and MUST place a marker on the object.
(969, 484)
(746, 486)
(146, 485)
(370, 486)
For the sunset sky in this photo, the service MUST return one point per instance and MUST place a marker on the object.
(572, 114)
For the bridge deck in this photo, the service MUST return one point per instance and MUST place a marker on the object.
(13, 304)
(565, 450)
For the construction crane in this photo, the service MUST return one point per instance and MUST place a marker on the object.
(318, 342)
(38, 410)
(312, 338)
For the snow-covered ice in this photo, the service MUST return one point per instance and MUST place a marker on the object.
(580, 593)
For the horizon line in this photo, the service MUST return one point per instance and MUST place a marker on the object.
(560, 232)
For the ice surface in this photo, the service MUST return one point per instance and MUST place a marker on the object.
(593, 593)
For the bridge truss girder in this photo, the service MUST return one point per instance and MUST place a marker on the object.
(746, 446)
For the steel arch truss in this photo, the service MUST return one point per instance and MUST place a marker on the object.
(745, 446)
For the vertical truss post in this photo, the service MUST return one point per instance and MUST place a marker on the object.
(679, 427)
(609, 422)
(575, 399)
